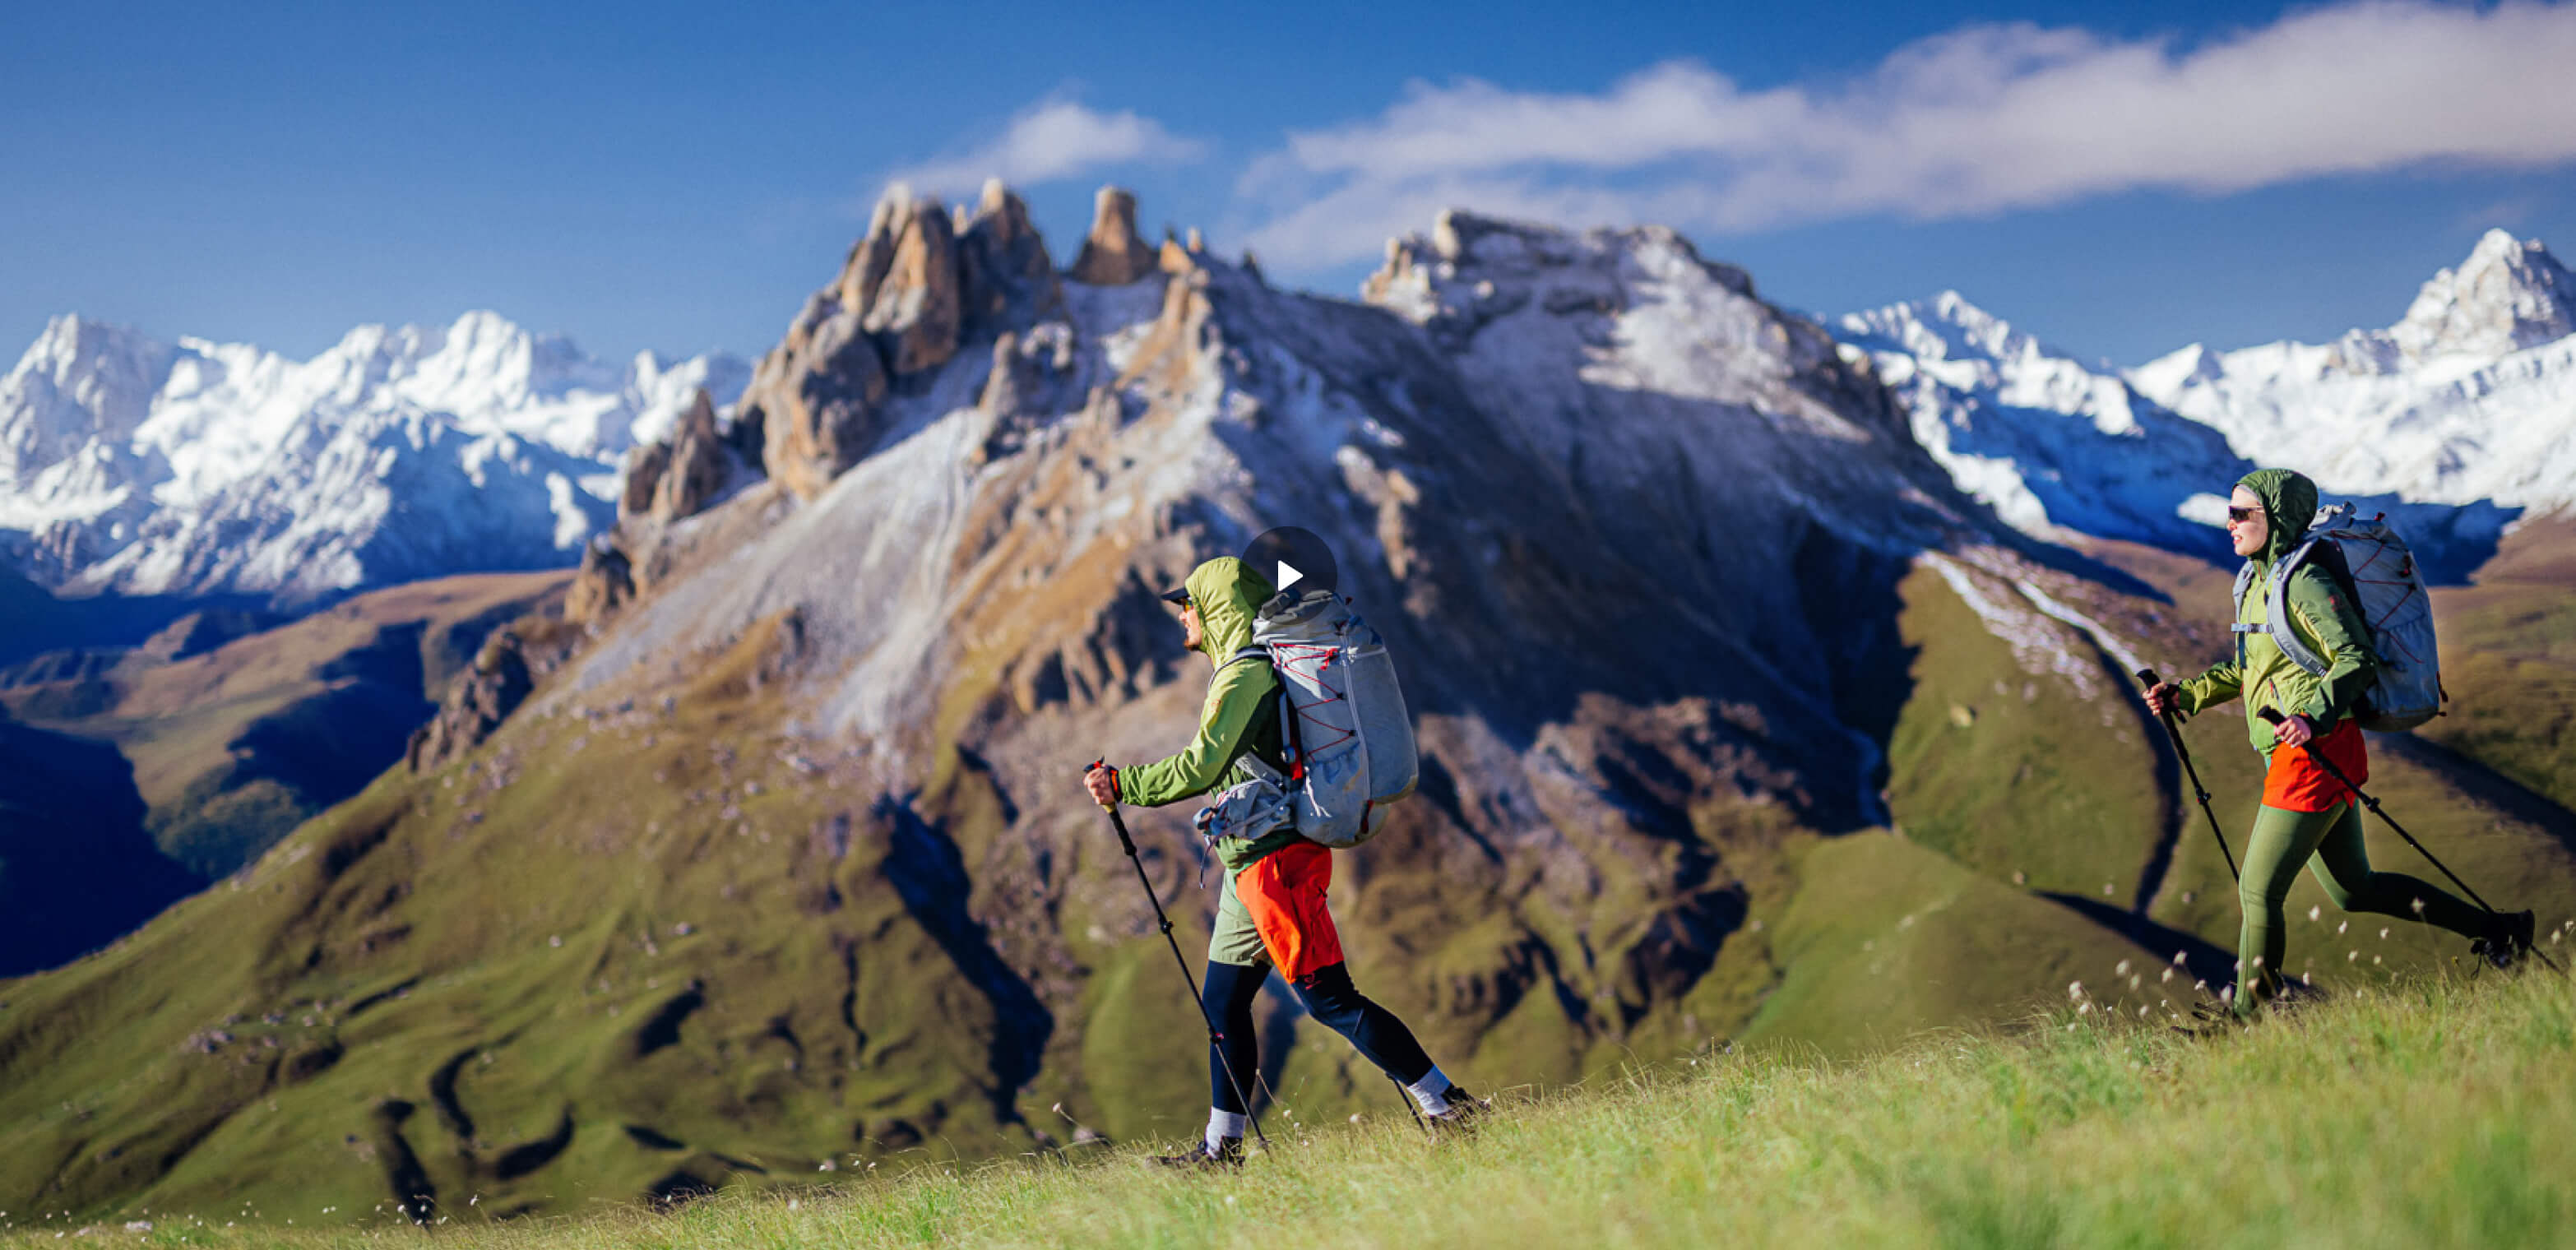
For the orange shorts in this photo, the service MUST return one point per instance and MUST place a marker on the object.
(2296, 784)
(1284, 891)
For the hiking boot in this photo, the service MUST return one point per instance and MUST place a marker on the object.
(1228, 1154)
(2508, 939)
(2211, 1020)
(1462, 1118)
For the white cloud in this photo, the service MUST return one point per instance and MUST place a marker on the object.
(1979, 120)
(1055, 138)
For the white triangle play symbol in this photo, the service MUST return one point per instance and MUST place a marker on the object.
(1288, 575)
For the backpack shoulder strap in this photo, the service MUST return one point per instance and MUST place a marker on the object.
(1254, 652)
(2338, 567)
(2236, 600)
(2277, 620)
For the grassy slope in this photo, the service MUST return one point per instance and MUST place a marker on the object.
(2017, 775)
(325, 1081)
(2509, 661)
(433, 888)
(1887, 939)
(2434, 1112)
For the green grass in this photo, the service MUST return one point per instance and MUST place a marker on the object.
(1887, 939)
(2509, 663)
(2020, 776)
(2432, 1111)
(840, 1016)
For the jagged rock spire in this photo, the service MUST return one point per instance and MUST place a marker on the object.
(1113, 254)
(922, 282)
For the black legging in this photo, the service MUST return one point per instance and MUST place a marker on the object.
(1330, 998)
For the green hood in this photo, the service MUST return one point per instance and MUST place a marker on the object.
(2289, 502)
(1227, 595)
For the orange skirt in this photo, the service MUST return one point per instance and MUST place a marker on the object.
(1284, 891)
(2296, 784)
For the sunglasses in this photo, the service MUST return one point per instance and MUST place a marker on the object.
(2235, 515)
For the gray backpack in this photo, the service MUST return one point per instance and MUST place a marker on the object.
(2371, 563)
(1349, 738)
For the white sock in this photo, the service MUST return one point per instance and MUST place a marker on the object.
(1432, 1091)
(1222, 1125)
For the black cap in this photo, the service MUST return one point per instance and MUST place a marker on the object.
(1179, 595)
(1293, 559)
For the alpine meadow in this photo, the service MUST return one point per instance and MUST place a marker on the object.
(457, 784)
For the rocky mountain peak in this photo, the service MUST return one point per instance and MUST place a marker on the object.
(81, 379)
(1113, 254)
(918, 284)
(1945, 327)
(2508, 295)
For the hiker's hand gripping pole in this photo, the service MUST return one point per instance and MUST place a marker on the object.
(2173, 733)
(1216, 1035)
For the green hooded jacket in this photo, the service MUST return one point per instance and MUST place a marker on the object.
(1240, 714)
(2321, 613)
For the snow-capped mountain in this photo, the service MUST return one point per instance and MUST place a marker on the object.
(142, 467)
(2471, 397)
(2050, 442)
(2457, 419)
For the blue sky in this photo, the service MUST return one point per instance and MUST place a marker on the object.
(642, 175)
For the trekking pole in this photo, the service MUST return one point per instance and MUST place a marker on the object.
(2173, 734)
(1216, 1036)
(1407, 1096)
(2272, 716)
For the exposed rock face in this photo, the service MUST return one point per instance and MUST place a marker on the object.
(1030, 382)
(1003, 263)
(668, 480)
(1113, 254)
(916, 311)
(481, 699)
(645, 467)
(60, 548)
(605, 583)
(912, 291)
(748, 436)
(698, 469)
(816, 395)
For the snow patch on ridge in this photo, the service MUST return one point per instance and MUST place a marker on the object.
(2037, 637)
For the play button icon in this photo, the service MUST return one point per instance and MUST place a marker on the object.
(1289, 556)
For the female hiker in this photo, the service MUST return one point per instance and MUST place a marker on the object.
(2307, 816)
(1271, 913)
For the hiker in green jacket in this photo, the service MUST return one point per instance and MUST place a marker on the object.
(2307, 817)
(1271, 912)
